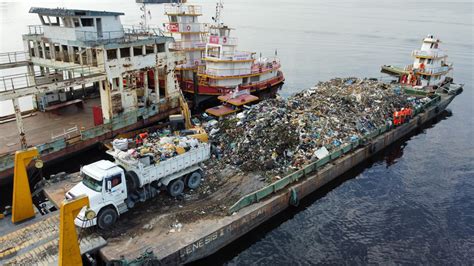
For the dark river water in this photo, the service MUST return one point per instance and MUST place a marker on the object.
(411, 204)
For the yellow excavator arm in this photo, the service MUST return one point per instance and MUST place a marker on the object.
(185, 110)
(201, 134)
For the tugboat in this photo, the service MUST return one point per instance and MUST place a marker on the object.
(430, 70)
(213, 65)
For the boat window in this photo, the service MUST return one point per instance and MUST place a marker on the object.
(87, 22)
(429, 61)
(173, 19)
(161, 48)
(91, 182)
(54, 21)
(149, 49)
(124, 52)
(137, 50)
(111, 54)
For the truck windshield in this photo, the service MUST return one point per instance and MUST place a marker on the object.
(91, 183)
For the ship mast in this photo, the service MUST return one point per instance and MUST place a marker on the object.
(144, 17)
(217, 18)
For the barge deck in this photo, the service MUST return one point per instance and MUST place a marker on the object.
(184, 231)
(45, 127)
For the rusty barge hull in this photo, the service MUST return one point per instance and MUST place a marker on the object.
(6, 176)
(206, 236)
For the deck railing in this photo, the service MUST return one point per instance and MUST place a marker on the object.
(229, 72)
(127, 34)
(173, 9)
(13, 57)
(24, 80)
(433, 54)
(434, 70)
(183, 45)
(35, 29)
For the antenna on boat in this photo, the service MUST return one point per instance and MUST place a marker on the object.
(145, 16)
(219, 7)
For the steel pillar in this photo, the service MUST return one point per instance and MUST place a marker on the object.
(157, 85)
(19, 123)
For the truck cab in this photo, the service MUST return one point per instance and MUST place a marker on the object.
(104, 183)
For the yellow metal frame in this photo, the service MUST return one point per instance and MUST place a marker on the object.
(69, 250)
(22, 203)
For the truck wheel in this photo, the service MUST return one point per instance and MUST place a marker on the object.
(106, 218)
(194, 180)
(176, 187)
(132, 181)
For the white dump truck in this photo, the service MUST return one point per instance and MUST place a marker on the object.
(115, 187)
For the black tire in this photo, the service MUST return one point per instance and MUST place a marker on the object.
(176, 187)
(194, 180)
(132, 181)
(107, 218)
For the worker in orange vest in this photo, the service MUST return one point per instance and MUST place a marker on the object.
(140, 138)
(422, 67)
(396, 118)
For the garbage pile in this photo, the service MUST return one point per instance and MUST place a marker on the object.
(278, 135)
(162, 145)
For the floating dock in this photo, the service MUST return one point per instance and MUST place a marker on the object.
(148, 227)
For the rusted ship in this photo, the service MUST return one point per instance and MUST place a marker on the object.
(214, 66)
(88, 59)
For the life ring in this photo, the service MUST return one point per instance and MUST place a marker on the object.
(168, 27)
(188, 28)
(224, 40)
(196, 63)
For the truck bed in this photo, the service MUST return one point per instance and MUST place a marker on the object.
(162, 169)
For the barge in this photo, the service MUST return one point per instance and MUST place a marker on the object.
(185, 231)
(178, 231)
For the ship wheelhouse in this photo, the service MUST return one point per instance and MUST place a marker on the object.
(430, 63)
